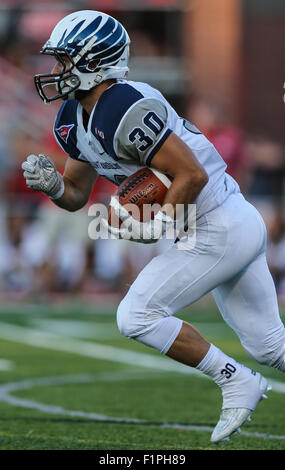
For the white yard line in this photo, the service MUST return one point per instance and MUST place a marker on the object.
(45, 309)
(41, 339)
(5, 364)
(6, 397)
(76, 328)
(55, 342)
(51, 341)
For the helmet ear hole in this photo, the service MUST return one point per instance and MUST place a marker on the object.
(93, 64)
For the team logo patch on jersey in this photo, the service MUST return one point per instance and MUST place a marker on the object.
(64, 131)
(99, 132)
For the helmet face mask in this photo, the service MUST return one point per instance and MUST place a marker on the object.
(97, 48)
(65, 82)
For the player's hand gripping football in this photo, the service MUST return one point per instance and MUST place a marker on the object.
(41, 175)
(133, 230)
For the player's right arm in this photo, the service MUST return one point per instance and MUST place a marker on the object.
(70, 191)
(79, 178)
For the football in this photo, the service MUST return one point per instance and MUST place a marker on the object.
(142, 194)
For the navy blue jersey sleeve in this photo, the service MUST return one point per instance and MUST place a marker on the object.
(65, 128)
(128, 125)
(142, 131)
(110, 109)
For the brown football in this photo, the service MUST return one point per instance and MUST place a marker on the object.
(141, 193)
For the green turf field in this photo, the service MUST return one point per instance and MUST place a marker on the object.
(69, 380)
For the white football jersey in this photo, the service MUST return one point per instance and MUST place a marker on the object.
(126, 128)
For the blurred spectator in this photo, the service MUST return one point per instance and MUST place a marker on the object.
(35, 258)
(143, 45)
(276, 251)
(211, 119)
(44, 249)
(23, 252)
(268, 169)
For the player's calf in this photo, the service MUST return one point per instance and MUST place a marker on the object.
(270, 354)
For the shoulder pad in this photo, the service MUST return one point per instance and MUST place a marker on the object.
(65, 128)
(110, 109)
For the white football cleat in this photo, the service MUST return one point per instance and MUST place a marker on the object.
(232, 418)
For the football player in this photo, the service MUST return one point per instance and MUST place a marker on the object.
(111, 126)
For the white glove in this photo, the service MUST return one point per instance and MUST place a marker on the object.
(142, 232)
(41, 175)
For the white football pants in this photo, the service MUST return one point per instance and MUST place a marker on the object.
(228, 259)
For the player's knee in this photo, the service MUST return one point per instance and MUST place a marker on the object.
(133, 319)
(124, 318)
(151, 326)
(130, 318)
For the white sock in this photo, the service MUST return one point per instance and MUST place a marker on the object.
(233, 378)
(219, 366)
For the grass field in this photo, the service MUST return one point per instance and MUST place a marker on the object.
(69, 380)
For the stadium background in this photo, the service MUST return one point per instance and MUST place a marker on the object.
(221, 64)
(224, 77)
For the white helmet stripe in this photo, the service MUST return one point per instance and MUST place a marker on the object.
(84, 25)
(106, 37)
(109, 47)
(93, 41)
(114, 53)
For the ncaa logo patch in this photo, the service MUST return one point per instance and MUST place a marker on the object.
(64, 131)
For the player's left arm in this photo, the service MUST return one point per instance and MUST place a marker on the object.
(144, 135)
(176, 159)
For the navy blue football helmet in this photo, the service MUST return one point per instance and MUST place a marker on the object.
(91, 46)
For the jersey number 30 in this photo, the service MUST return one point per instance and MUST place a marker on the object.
(138, 135)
